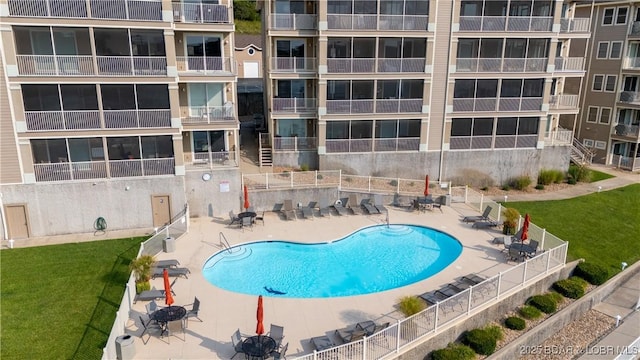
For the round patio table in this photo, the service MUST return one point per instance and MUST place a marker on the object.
(258, 347)
(245, 214)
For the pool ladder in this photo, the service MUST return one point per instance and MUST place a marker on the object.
(224, 243)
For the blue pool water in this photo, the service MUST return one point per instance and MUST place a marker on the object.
(372, 259)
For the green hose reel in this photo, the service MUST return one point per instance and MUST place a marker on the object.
(100, 224)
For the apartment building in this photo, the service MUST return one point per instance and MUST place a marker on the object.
(455, 89)
(120, 109)
(610, 116)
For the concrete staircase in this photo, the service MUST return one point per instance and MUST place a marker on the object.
(266, 157)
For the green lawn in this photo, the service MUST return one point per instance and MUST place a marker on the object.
(602, 227)
(248, 27)
(598, 175)
(59, 301)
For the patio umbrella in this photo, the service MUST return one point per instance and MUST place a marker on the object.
(259, 317)
(525, 227)
(246, 198)
(167, 288)
(426, 186)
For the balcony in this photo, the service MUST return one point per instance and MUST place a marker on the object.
(563, 102)
(635, 29)
(632, 63)
(369, 65)
(132, 65)
(66, 171)
(577, 25)
(90, 119)
(558, 136)
(626, 162)
(48, 8)
(198, 115)
(210, 159)
(378, 22)
(372, 145)
(129, 119)
(206, 66)
(402, 65)
(492, 104)
(506, 23)
(506, 65)
(52, 65)
(294, 105)
(293, 65)
(201, 13)
(146, 10)
(626, 130)
(293, 21)
(295, 143)
(569, 64)
(377, 106)
(351, 65)
(630, 97)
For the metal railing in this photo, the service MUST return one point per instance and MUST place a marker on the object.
(506, 23)
(377, 22)
(626, 162)
(147, 10)
(295, 143)
(137, 118)
(82, 170)
(293, 21)
(208, 114)
(635, 29)
(64, 65)
(62, 120)
(564, 101)
(630, 97)
(374, 106)
(569, 64)
(207, 65)
(559, 136)
(141, 167)
(210, 159)
(497, 104)
(632, 62)
(48, 8)
(132, 65)
(351, 65)
(372, 145)
(626, 130)
(577, 25)
(292, 179)
(201, 13)
(293, 64)
(294, 105)
(501, 64)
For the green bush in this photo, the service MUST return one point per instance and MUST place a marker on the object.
(530, 312)
(454, 352)
(593, 273)
(571, 288)
(539, 187)
(520, 183)
(245, 10)
(481, 341)
(320, 177)
(506, 187)
(410, 305)
(572, 181)
(393, 182)
(580, 173)
(142, 286)
(544, 303)
(546, 177)
(556, 297)
(495, 331)
(515, 323)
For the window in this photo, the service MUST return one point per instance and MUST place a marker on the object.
(86, 149)
(610, 85)
(337, 130)
(162, 146)
(485, 88)
(607, 17)
(152, 96)
(592, 114)
(597, 82)
(616, 50)
(461, 127)
(601, 145)
(40, 97)
(533, 88)
(605, 115)
(79, 97)
(49, 151)
(603, 50)
(123, 148)
(587, 142)
(621, 15)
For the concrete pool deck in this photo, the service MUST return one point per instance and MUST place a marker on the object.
(223, 312)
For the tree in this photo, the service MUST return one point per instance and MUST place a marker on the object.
(245, 10)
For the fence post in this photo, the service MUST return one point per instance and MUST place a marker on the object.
(364, 348)
(498, 287)
(466, 191)
(499, 211)
(398, 186)
(266, 180)
(398, 336)
(548, 262)
(295, 143)
(519, 222)
(469, 307)
(544, 233)
(435, 322)
(524, 272)
(339, 179)
(449, 189)
(369, 183)
(316, 175)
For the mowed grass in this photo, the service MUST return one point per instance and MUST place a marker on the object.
(602, 228)
(248, 27)
(599, 175)
(59, 301)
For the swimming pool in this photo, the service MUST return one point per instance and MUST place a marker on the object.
(370, 260)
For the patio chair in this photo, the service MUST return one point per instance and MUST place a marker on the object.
(246, 223)
(234, 219)
(515, 255)
(276, 332)
(259, 217)
(486, 224)
(349, 334)
(483, 217)
(174, 328)
(323, 206)
(353, 204)
(340, 208)
(193, 313)
(236, 339)
(322, 342)
(506, 243)
(166, 263)
(147, 327)
(278, 355)
(370, 209)
(307, 211)
(151, 307)
(473, 279)
(379, 203)
(533, 248)
(173, 272)
(432, 297)
(288, 210)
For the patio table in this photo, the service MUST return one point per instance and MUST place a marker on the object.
(258, 347)
(166, 314)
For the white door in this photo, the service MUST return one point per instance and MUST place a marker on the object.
(251, 69)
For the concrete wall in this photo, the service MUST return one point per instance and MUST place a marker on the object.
(205, 197)
(413, 165)
(296, 159)
(272, 200)
(73, 207)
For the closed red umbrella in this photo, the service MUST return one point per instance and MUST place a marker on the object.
(426, 186)
(246, 198)
(525, 227)
(260, 317)
(168, 297)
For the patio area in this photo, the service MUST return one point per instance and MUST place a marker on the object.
(224, 312)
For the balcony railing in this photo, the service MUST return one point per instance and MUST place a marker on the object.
(132, 65)
(506, 23)
(577, 25)
(48, 8)
(201, 13)
(369, 145)
(377, 22)
(563, 102)
(62, 120)
(402, 65)
(210, 159)
(502, 65)
(208, 114)
(147, 10)
(294, 21)
(630, 97)
(351, 65)
(64, 65)
(492, 104)
(370, 106)
(559, 136)
(65, 171)
(626, 162)
(632, 63)
(205, 65)
(635, 29)
(369, 65)
(127, 119)
(295, 143)
(569, 64)
(294, 105)
(626, 130)
(293, 64)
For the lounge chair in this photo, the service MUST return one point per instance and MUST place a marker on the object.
(322, 342)
(147, 295)
(288, 210)
(307, 211)
(166, 263)
(234, 218)
(173, 272)
(483, 217)
(459, 285)
(323, 207)
(350, 334)
(378, 203)
(353, 204)
(340, 208)
(370, 327)
(473, 279)
(486, 224)
(236, 339)
(370, 209)
(276, 332)
(448, 290)
(433, 297)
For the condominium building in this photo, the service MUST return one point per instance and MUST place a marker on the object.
(120, 109)
(610, 116)
(402, 88)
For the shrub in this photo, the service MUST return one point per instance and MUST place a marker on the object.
(556, 297)
(393, 182)
(530, 312)
(410, 305)
(506, 187)
(495, 331)
(570, 287)
(515, 323)
(593, 273)
(142, 286)
(245, 10)
(539, 187)
(481, 341)
(521, 183)
(510, 222)
(580, 173)
(546, 177)
(544, 303)
(571, 181)
(320, 177)
(454, 352)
